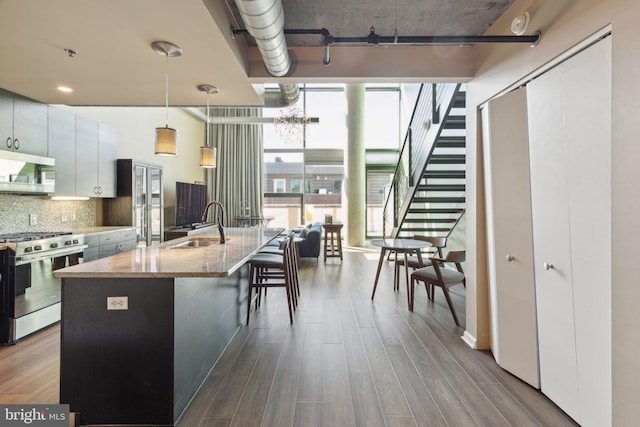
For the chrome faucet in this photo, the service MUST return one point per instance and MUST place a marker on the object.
(220, 217)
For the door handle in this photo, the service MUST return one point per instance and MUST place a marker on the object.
(547, 266)
(510, 258)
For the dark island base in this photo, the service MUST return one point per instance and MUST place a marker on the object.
(143, 365)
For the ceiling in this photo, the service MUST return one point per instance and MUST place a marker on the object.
(115, 64)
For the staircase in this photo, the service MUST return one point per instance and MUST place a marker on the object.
(434, 196)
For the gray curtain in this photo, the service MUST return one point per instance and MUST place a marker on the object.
(236, 182)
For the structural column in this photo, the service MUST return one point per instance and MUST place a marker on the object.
(355, 174)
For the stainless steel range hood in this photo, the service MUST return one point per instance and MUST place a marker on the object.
(26, 174)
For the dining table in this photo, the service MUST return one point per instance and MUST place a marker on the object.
(398, 246)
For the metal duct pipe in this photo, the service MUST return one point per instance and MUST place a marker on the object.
(264, 20)
(285, 97)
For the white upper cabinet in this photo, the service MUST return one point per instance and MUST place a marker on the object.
(95, 158)
(23, 124)
(62, 147)
(85, 153)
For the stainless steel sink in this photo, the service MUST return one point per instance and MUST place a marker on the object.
(195, 242)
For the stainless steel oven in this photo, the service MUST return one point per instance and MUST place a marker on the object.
(29, 294)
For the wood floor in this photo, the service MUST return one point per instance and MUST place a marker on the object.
(346, 361)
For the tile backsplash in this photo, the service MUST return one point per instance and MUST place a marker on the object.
(32, 213)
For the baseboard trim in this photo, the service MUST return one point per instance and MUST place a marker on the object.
(469, 339)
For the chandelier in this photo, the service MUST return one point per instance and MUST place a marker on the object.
(290, 124)
(292, 116)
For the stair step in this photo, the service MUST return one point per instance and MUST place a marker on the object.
(441, 187)
(438, 200)
(455, 122)
(460, 100)
(451, 142)
(447, 159)
(425, 229)
(459, 174)
(430, 220)
(435, 210)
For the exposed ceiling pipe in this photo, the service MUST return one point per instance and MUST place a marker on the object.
(264, 20)
(374, 39)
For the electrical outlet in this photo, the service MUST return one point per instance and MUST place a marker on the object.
(33, 219)
(117, 303)
(64, 218)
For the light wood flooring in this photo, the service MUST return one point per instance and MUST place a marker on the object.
(346, 361)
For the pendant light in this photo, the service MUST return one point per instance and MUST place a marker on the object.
(166, 137)
(208, 153)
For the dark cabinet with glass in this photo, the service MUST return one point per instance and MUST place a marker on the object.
(139, 202)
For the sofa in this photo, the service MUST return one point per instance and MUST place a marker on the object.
(309, 246)
(311, 238)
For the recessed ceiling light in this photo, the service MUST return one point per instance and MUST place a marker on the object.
(65, 89)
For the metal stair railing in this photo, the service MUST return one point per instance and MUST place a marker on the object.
(424, 128)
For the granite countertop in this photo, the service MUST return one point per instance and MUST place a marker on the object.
(170, 260)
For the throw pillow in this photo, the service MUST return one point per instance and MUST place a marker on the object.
(303, 233)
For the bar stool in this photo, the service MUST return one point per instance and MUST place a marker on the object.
(273, 270)
(331, 232)
(295, 264)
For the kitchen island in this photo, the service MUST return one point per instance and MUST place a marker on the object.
(141, 330)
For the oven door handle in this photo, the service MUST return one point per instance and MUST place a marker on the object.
(26, 259)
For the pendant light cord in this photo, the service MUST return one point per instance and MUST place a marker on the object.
(166, 90)
(395, 25)
(208, 119)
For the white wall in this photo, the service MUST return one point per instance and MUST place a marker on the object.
(136, 140)
(563, 25)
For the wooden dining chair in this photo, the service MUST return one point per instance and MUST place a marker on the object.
(273, 270)
(437, 243)
(439, 275)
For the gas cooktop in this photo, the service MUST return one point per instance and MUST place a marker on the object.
(31, 235)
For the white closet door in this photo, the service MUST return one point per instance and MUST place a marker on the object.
(514, 340)
(587, 102)
(570, 146)
(551, 236)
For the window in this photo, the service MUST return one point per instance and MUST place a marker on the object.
(281, 136)
(323, 195)
(295, 186)
(304, 165)
(331, 108)
(378, 182)
(280, 166)
(279, 185)
(382, 119)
